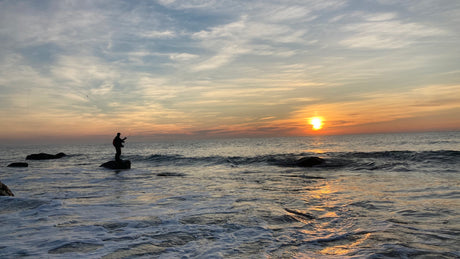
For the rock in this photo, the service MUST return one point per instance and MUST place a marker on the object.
(44, 156)
(19, 164)
(309, 161)
(4, 190)
(123, 164)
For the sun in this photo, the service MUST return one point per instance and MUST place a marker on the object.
(316, 122)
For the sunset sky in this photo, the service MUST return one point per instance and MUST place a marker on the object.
(210, 68)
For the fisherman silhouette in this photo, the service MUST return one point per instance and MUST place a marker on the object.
(118, 144)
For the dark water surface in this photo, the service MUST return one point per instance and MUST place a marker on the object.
(376, 196)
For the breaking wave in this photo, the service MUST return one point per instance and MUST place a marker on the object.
(400, 160)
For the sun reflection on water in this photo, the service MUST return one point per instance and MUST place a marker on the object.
(343, 249)
(320, 193)
(333, 229)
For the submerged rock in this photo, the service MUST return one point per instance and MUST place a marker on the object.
(122, 164)
(18, 164)
(44, 156)
(4, 190)
(309, 161)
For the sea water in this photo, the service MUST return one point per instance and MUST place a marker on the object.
(375, 196)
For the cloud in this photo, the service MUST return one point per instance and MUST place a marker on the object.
(82, 70)
(55, 22)
(158, 34)
(381, 31)
(182, 56)
(244, 36)
(187, 4)
(379, 17)
(286, 13)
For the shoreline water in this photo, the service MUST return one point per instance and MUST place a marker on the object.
(376, 196)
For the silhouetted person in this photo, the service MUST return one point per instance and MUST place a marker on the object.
(118, 144)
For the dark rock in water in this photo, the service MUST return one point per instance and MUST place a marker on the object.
(309, 161)
(4, 190)
(123, 164)
(59, 155)
(44, 156)
(19, 164)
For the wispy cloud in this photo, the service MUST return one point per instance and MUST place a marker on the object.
(381, 31)
(157, 34)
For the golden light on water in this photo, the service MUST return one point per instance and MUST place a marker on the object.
(316, 122)
(343, 249)
(330, 193)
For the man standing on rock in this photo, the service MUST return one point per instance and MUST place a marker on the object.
(118, 144)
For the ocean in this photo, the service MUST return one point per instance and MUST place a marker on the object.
(375, 196)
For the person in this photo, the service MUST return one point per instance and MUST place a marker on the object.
(118, 144)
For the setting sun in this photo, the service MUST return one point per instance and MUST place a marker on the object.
(316, 122)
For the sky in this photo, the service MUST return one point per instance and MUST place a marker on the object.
(167, 69)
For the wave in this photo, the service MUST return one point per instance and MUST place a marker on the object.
(418, 156)
(396, 160)
(16, 204)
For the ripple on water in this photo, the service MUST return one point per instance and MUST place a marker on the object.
(74, 247)
(145, 249)
(10, 205)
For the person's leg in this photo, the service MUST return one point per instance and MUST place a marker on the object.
(118, 154)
